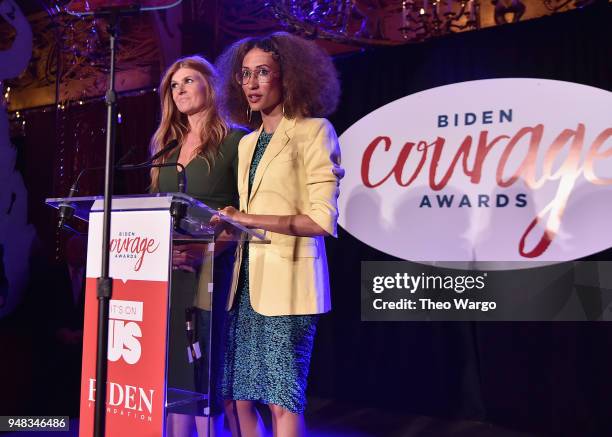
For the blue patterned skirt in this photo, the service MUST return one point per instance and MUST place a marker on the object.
(267, 357)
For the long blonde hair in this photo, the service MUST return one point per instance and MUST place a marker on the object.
(174, 124)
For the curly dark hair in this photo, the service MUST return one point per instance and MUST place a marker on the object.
(310, 82)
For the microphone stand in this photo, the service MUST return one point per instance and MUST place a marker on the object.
(105, 282)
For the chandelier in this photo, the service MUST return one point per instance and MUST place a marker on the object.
(391, 22)
(381, 23)
(434, 18)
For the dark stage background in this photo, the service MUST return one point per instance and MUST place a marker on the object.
(548, 378)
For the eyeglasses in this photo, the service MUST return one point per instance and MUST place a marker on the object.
(263, 75)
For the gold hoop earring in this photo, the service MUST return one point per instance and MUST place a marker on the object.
(249, 114)
(283, 109)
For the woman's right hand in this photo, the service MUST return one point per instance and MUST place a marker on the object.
(188, 257)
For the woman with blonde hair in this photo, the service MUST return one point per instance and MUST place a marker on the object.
(208, 151)
(288, 179)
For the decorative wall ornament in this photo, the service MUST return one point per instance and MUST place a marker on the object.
(566, 5)
(69, 57)
(503, 8)
(16, 235)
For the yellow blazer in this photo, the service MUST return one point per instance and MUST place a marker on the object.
(298, 174)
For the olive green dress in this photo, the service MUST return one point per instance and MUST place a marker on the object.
(216, 187)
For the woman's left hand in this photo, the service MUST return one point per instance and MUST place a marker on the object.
(224, 231)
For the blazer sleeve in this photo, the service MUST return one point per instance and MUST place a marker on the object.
(323, 174)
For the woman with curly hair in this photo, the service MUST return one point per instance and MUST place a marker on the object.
(288, 179)
(208, 151)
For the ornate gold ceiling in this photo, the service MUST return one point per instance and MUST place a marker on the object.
(77, 48)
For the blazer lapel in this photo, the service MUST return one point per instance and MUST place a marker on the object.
(279, 140)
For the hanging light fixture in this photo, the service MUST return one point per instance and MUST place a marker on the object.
(361, 22)
(391, 22)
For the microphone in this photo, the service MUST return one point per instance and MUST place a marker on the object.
(168, 147)
(128, 154)
(182, 178)
(66, 210)
(171, 145)
(193, 348)
(178, 207)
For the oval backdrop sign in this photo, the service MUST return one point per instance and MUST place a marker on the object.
(488, 170)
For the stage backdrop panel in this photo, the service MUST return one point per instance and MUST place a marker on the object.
(522, 375)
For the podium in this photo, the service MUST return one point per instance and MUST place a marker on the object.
(144, 231)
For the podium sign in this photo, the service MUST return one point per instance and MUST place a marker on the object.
(139, 266)
(142, 234)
